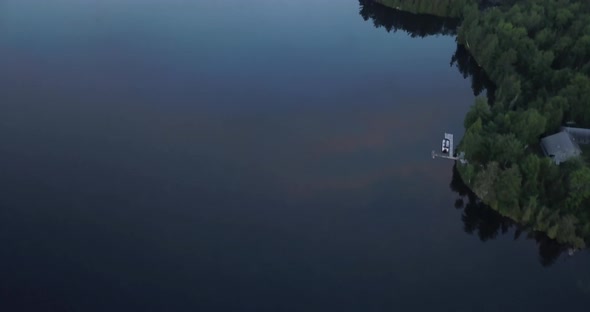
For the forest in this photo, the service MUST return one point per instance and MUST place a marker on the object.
(537, 55)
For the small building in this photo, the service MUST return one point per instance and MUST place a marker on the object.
(560, 147)
(580, 135)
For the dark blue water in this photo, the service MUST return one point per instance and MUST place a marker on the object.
(234, 155)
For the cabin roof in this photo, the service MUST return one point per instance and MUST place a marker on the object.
(560, 147)
(579, 135)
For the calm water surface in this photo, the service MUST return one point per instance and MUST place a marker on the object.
(234, 155)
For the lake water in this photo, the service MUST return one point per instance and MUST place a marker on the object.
(178, 155)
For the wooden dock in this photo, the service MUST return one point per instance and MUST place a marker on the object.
(449, 137)
(450, 155)
(435, 155)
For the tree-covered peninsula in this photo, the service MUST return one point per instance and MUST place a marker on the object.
(537, 54)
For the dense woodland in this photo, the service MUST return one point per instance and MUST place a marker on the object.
(537, 54)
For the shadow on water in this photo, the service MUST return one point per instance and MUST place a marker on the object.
(414, 24)
(468, 67)
(478, 218)
(422, 25)
(481, 220)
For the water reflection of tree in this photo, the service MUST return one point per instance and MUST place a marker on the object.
(417, 25)
(468, 67)
(479, 219)
(421, 25)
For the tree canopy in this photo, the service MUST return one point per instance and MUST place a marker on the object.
(536, 58)
(537, 54)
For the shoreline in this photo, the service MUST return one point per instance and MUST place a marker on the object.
(521, 205)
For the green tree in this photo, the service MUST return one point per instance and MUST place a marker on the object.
(474, 143)
(578, 187)
(553, 110)
(507, 189)
(506, 149)
(527, 125)
(485, 181)
(577, 94)
(480, 110)
(529, 209)
(530, 168)
(563, 17)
